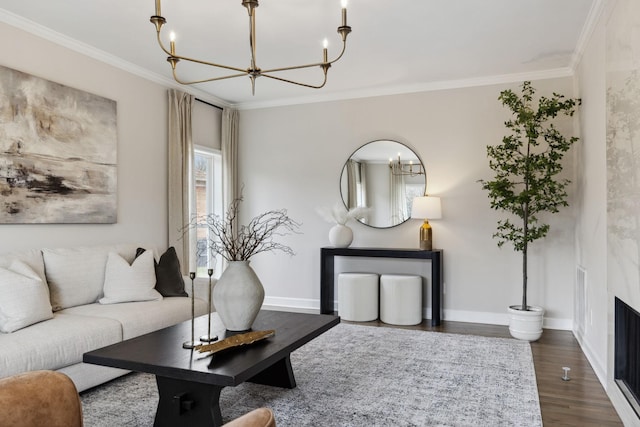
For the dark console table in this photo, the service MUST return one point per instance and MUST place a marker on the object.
(327, 273)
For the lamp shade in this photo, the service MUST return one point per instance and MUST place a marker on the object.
(426, 207)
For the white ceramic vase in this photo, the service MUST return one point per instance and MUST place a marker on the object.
(238, 296)
(340, 236)
(526, 324)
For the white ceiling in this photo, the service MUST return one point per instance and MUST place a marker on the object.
(396, 46)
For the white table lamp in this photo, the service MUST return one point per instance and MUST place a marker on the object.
(425, 208)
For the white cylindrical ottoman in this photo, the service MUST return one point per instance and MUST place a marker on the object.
(400, 299)
(358, 296)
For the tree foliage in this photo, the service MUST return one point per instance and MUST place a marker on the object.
(526, 165)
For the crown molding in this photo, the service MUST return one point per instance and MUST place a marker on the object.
(598, 8)
(415, 88)
(97, 54)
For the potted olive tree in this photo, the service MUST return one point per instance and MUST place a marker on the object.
(526, 183)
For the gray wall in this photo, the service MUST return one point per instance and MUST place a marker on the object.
(291, 157)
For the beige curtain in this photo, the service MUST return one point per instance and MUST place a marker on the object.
(357, 190)
(353, 173)
(397, 195)
(230, 185)
(181, 186)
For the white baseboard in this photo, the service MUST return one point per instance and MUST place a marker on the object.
(618, 400)
(313, 306)
(476, 317)
(596, 363)
(490, 318)
(298, 305)
(623, 408)
(560, 324)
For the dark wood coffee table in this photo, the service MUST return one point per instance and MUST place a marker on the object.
(189, 389)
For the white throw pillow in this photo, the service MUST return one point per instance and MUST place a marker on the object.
(31, 257)
(24, 298)
(75, 275)
(126, 283)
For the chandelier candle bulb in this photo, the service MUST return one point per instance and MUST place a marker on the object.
(172, 38)
(325, 54)
(344, 13)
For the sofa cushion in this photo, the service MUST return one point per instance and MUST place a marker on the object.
(139, 318)
(88, 375)
(169, 280)
(24, 298)
(76, 275)
(128, 283)
(55, 343)
(33, 258)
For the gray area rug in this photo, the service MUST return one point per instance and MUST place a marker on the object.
(366, 376)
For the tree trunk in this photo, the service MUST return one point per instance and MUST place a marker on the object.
(525, 217)
(524, 273)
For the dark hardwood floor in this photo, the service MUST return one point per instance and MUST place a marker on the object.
(581, 401)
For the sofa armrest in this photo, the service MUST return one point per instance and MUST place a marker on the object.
(201, 286)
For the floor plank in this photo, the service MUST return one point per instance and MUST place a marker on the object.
(581, 401)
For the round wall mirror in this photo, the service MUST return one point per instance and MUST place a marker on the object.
(383, 176)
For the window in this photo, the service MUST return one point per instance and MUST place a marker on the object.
(207, 167)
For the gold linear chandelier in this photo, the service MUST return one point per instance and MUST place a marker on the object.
(399, 168)
(253, 71)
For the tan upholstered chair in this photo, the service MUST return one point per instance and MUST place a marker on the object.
(39, 398)
(261, 417)
(48, 398)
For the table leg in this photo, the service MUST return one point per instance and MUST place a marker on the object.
(326, 283)
(280, 374)
(436, 289)
(187, 403)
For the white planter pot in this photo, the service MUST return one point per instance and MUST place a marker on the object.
(526, 324)
(340, 236)
(238, 296)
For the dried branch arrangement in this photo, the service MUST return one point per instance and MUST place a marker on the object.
(248, 240)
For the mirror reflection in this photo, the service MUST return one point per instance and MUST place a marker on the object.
(384, 176)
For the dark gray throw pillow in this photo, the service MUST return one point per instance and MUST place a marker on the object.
(169, 281)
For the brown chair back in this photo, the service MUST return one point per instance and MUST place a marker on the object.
(261, 417)
(39, 398)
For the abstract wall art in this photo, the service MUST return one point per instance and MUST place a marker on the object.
(58, 161)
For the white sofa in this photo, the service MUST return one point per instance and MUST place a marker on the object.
(85, 288)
